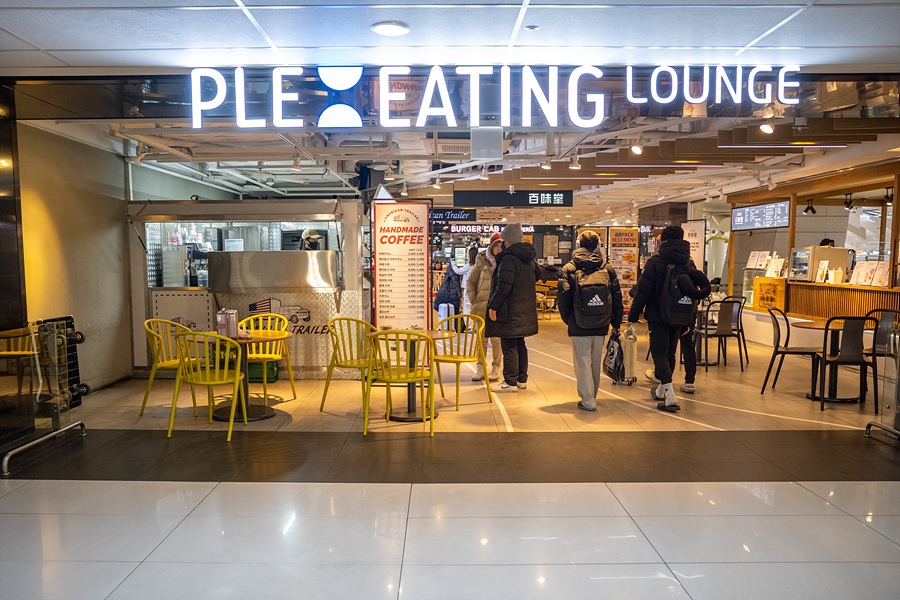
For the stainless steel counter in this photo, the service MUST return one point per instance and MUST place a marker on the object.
(275, 271)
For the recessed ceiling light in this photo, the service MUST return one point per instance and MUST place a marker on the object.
(390, 28)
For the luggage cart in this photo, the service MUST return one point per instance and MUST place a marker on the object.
(72, 339)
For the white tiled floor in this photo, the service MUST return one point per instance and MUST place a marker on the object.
(705, 541)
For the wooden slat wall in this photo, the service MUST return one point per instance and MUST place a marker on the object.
(825, 301)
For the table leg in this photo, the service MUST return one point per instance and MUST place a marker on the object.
(834, 345)
(412, 414)
(255, 412)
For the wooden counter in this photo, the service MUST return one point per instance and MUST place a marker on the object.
(823, 300)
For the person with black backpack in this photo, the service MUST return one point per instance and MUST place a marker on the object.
(667, 294)
(590, 302)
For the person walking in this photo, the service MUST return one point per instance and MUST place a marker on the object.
(478, 290)
(450, 292)
(512, 306)
(590, 302)
(666, 294)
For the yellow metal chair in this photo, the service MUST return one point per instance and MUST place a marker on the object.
(464, 347)
(400, 357)
(210, 360)
(161, 339)
(266, 352)
(18, 345)
(350, 346)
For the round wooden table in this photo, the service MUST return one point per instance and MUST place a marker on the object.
(834, 345)
(412, 414)
(255, 412)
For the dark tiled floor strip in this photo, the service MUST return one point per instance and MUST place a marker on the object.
(464, 457)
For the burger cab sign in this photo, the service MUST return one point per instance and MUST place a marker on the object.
(509, 96)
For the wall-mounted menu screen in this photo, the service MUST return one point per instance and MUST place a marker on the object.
(762, 216)
(401, 265)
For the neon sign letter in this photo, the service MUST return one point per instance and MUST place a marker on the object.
(198, 105)
(474, 97)
(549, 103)
(436, 80)
(596, 99)
(385, 96)
(279, 96)
(782, 84)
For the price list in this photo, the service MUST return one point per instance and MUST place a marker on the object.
(401, 266)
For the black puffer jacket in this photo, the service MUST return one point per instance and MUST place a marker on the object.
(671, 252)
(512, 293)
(588, 262)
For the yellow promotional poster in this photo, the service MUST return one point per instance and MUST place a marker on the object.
(623, 258)
(401, 265)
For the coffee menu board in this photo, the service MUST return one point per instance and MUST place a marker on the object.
(623, 258)
(401, 265)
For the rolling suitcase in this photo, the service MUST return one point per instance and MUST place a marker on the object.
(629, 353)
(445, 310)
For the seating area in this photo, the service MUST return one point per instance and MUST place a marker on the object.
(726, 397)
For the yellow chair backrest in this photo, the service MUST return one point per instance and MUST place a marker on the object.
(390, 358)
(207, 358)
(17, 342)
(161, 337)
(468, 330)
(265, 322)
(349, 338)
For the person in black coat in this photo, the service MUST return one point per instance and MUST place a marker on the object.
(512, 306)
(450, 291)
(587, 340)
(674, 250)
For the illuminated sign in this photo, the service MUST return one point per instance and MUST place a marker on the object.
(485, 228)
(761, 216)
(532, 198)
(514, 96)
(453, 214)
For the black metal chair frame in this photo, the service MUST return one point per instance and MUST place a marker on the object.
(885, 318)
(726, 327)
(780, 351)
(850, 352)
(742, 300)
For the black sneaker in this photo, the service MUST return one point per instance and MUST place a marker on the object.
(668, 407)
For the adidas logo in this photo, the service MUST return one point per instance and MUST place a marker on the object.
(595, 301)
(685, 300)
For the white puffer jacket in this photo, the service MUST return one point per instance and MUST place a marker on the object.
(478, 284)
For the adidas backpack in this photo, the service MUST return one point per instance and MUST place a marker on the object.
(593, 302)
(675, 307)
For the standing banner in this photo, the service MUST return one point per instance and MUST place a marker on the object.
(623, 258)
(695, 234)
(401, 265)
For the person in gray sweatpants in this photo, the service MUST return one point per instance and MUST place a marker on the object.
(590, 302)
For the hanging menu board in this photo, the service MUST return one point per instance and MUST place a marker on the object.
(401, 265)
(623, 258)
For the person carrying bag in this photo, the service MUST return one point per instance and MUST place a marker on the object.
(590, 302)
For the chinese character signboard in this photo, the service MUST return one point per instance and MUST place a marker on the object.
(695, 234)
(623, 258)
(401, 265)
(516, 198)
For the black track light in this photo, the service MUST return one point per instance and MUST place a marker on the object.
(810, 209)
(889, 196)
(848, 201)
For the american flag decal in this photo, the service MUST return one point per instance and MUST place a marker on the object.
(258, 308)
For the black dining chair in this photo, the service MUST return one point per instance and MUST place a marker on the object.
(741, 300)
(781, 325)
(885, 317)
(726, 327)
(849, 352)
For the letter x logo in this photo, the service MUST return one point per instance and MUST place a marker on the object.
(339, 79)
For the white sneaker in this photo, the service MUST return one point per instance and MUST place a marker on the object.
(650, 374)
(521, 386)
(479, 374)
(688, 388)
(495, 374)
(501, 388)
